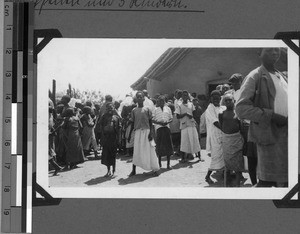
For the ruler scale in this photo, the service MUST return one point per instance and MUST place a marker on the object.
(17, 131)
(7, 108)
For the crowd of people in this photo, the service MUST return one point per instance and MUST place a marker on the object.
(244, 119)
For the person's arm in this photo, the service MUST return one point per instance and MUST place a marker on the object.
(217, 124)
(131, 123)
(151, 133)
(245, 108)
(220, 121)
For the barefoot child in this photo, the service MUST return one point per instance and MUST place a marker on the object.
(144, 154)
(232, 140)
(189, 136)
(109, 127)
(162, 116)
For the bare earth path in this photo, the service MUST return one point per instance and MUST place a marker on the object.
(91, 172)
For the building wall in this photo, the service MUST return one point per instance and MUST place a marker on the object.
(203, 65)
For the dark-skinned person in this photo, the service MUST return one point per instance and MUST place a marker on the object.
(214, 134)
(88, 134)
(232, 140)
(249, 148)
(74, 150)
(197, 116)
(51, 151)
(189, 135)
(162, 117)
(264, 101)
(110, 127)
(144, 154)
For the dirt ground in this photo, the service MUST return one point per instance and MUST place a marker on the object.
(91, 173)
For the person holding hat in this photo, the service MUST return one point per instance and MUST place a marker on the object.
(264, 101)
(214, 134)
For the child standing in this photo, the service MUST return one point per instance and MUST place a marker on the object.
(162, 116)
(144, 154)
(232, 140)
(189, 136)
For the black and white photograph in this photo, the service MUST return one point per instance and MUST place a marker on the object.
(167, 118)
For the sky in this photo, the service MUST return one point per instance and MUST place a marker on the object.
(107, 65)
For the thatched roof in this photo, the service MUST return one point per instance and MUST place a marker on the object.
(164, 64)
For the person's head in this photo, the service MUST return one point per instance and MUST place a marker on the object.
(69, 112)
(59, 108)
(79, 105)
(108, 98)
(65, 99)
(178, 94)
(170, 101)
(109, 108)
(161, 101)
(87, 110)
(229, 101)
(88, 103)
(194, 95)
(225, 88)
(145, 93)
(185, 96)
(172, 107)
(215, 97)
(97, 106)
(269, 56)
(236, 81)
(117, 105)
(219, 87)
(196, 102)
(140, 98)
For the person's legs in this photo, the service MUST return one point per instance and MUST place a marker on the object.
(207, 177)
(108, 171)
(252, 164)
(159, 160)
(133, 172)
(262, 183)
(56, 166)
(168, 162)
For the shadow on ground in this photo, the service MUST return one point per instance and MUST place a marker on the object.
(99, 180)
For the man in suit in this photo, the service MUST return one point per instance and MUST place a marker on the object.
(263, 101)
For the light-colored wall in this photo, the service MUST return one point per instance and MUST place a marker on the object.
(203, 65)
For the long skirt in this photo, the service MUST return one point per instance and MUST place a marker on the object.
(74, 150)
(189, 140)
(164, 146)
(109, 150)
(272, 160)
(88, 138)
(233, 151)
(130, 143)
(217, 159)
(144, 154)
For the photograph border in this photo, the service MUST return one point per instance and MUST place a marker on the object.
(178, 192)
